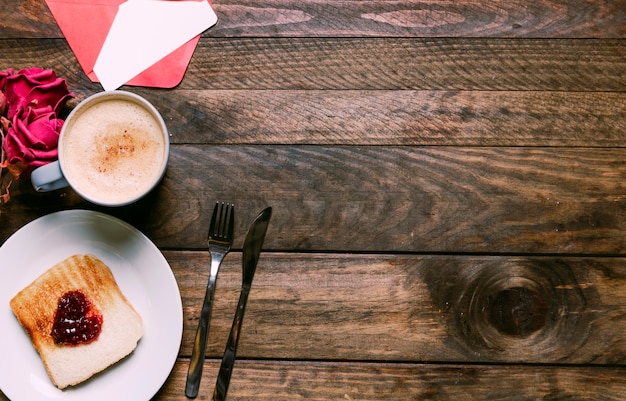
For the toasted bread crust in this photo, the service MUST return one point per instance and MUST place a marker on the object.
(35, 307)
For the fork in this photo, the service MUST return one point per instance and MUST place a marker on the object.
(220, 239)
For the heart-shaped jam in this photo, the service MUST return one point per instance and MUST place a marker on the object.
(76, 320)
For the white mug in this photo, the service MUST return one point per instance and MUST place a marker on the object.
(113, 150)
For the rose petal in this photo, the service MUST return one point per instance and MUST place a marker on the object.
(54, 94)
(40, 129)
(35, 87)
(33, 143)
(3, 77)
(3, 103)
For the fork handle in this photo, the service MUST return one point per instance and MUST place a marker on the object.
(194, 373)
(228, 360)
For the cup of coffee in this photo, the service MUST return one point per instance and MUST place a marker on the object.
(113, 150)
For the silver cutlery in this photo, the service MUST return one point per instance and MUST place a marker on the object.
(220, 238)
(251, 251)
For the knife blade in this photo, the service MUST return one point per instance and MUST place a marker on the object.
(251, 251)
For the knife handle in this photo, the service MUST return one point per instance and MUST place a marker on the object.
(228, 360)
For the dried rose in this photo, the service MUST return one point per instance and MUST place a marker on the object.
(34, 87)
(30, 129)
(34, 97)
(32, 138)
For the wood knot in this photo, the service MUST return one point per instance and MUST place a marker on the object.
(511, 309)
(517, 311)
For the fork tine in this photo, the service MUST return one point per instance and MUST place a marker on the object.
(226, 228)
(214, 220)
(222, 221)
(219, 232)
(231, 223)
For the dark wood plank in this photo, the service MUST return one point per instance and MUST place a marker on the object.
(412, 199)
(406, 117)
(389, 199)
(398, 63)
(560, 18)
(409, 199)
(28, 19)
(421, 18)
(414, 308)
(270, 380)
(283, 380)
(370, 64)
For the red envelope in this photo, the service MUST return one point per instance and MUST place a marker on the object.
(86, 23)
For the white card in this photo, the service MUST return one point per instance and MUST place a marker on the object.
(145, 31)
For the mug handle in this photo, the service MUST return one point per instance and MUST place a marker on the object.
(48, 177)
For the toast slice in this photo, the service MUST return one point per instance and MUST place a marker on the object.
(74, 354)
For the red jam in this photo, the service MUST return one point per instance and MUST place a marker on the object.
(76, 320)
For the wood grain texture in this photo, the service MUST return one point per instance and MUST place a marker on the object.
(421, 19)
(390, 199)
(28, 19)
(293, 380)
(560, 18)
(411, 308)
(411, 199)
(390, 117)
(370, 64)
(321, 381)
(408, 63)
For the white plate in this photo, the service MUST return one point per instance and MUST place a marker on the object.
(143, 275)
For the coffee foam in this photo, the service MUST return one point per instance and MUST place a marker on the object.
(113, 151)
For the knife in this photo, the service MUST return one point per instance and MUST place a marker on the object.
(251, 251)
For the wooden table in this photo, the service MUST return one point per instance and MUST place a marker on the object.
(449, 190)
